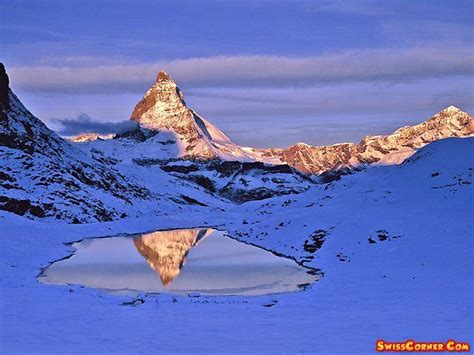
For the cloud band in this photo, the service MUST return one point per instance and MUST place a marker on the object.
(256, 71)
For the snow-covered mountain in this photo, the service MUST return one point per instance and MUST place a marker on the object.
(168, 130)
(173, 157)
(43, 175)
(390, 149)
(384, 201)
(163, 112)
(172, 138)
(164, 118)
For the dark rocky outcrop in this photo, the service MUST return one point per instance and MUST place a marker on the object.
(241, 181)
(42, 175)
(4, 87)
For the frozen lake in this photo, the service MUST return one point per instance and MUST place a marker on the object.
(183, 261)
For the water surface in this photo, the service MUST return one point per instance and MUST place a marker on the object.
(205, 261)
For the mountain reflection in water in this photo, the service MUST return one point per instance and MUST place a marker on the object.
(166, 251)
(177, 262)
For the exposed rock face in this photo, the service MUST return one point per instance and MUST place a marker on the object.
(19, 129)
(242, 181)
(163, 109)
(390, 149)
(450, 122)
(315, 160)
(4, 87)
(166, 251)
(43, 175)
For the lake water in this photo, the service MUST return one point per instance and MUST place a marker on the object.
(184, 261)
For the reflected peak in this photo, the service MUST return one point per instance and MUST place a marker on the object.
(166, 251)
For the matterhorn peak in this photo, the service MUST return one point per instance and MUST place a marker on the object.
(163, 76)
(162, 102)
(163, 111)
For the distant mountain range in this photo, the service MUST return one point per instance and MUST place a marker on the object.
(163, 112)
(174, 157)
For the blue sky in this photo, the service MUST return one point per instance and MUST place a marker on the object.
(269, 73)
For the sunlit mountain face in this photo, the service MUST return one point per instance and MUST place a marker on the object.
(166, 251)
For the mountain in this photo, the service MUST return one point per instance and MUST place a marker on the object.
(172, 138)
(98, 178)
(163, 112)
(43, 175)
(168, 130)
(164, 119)
(390, 149)
(173, 160)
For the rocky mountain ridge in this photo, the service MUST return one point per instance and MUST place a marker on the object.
(163, 113)
(42, 175)
(383, 149)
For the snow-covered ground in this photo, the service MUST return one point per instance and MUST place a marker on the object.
(395, 244)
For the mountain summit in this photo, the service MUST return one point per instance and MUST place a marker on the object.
(163, 111)
(381, 149)
(163, 76)
(162, 106)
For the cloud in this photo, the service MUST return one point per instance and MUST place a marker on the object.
(372, 65)
(85, 124)
(328, 100)
(425, 30)
(355, 7)
(266, 116)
